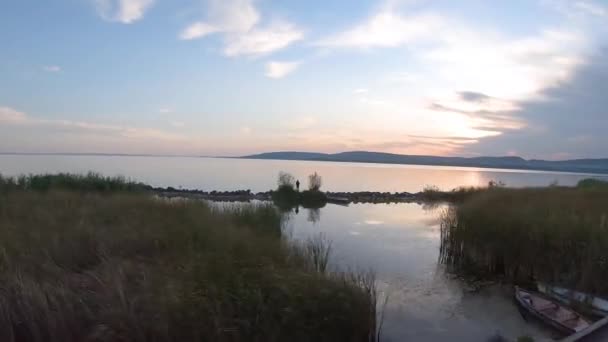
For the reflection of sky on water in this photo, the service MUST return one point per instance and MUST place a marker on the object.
(260, 175)
(364, 235)
(400, 243)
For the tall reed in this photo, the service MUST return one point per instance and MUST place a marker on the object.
(119, 266)
(554, 234)
(75, 182)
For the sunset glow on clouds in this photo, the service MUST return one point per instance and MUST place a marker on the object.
(232, 77)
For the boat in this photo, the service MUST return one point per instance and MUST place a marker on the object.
(595, 305)
(551, 312)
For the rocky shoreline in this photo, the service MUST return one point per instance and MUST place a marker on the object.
(332, 197)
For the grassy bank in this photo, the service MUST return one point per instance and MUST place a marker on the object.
(90, 182)
(122, 266)
(554, 234)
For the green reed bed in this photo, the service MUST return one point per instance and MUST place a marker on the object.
(83, 266)
(432, 194)
(553, 234)
(74, 182)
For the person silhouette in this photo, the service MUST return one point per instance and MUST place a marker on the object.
(298, 185)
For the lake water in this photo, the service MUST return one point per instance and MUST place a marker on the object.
(261, 175)
(399, 242)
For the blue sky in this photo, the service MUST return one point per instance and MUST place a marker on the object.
(232, 77)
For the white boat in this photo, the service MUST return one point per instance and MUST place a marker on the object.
(596, 305)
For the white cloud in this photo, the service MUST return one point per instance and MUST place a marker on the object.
(508, 70)
(513, 68)
(263, 40)
(581, 10)
(51, 68)
(165, 110)
(402, 77)
(233, 15)
(591, 8)
(245, 130)
(14, 117)
(149, 134)
(277, 69)
(238, 21)
(373, 101)
(386, 29)
(446, 56)
(197, 30)
(9, 115)
(124, 11)
(224, 16)
(361, 91)
(456, 55)
(177, 124)
(301, 123)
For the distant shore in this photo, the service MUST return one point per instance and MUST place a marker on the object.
(597, 166)
(589, 165)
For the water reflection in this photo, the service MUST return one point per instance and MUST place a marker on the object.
(314, 215)
(400, 243)
(260, 175)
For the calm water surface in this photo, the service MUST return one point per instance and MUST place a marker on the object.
(260, 175)
(399, 242)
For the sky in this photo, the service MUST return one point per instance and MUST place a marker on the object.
(236, 77)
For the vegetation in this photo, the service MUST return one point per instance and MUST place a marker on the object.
(75, 182)
(119, 266)
(314, 182)
(554, 234)
(286, 182)
(591, 183)
(434, 194)
(286, 197)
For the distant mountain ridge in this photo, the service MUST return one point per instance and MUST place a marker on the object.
(575, 165)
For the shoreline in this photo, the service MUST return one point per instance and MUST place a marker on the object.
(332, 197)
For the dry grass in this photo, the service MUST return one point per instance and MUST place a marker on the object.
(78, 266)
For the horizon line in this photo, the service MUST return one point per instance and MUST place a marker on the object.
(285, 151)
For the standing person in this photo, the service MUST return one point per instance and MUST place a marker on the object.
(298, 185)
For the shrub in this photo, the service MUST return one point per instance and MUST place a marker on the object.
(592, 183)
(286, 181)
(312, 199)
(314, 182)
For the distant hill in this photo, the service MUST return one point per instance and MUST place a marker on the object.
(576, 165)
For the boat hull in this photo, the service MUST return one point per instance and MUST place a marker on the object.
(551, 313)
(594, 305)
